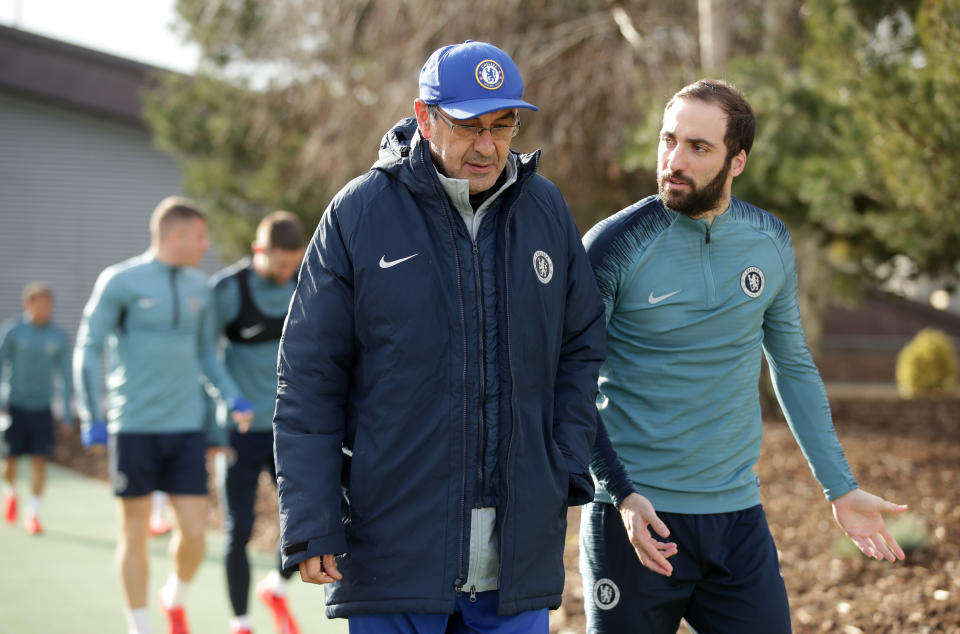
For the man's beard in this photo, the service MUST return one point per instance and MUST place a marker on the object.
(698, 200)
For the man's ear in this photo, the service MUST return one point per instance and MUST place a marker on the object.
(423, 118)
(738, 163)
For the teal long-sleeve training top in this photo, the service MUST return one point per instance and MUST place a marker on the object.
(689, 307)
(155, 324)
(31, 356)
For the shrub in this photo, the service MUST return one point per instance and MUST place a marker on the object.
(926, 365)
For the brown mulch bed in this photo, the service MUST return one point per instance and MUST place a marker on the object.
(905, 451)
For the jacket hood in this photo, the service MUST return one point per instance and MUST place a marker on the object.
(396, 143)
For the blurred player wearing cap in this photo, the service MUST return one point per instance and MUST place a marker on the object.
(435, 411)
(32, 352)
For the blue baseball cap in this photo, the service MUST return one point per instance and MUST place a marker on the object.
(471, 79)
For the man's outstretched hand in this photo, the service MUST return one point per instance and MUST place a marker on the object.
(859, 515)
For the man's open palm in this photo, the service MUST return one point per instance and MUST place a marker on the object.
(859, 515)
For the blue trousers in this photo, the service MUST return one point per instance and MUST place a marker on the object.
(726, 576)
(469, 617)
(253, 453)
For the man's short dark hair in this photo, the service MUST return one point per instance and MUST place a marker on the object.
(280, 230)
(171, 210)
(741, 124)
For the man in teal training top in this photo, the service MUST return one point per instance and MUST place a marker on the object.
(32, 352)
(695, 283)
(251, 299)
(153, 313)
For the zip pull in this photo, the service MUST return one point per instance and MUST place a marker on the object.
(708, 235)
(473, 594)
(458, 585)
(175, 297)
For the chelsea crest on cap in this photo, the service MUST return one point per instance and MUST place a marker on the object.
(471, 79)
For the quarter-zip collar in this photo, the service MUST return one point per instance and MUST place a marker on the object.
(707, 229)
(173, 273)
(458, 190)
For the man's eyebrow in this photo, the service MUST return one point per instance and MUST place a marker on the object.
(698, 141)
(691, 141)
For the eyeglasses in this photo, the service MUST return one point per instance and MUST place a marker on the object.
(498, 132)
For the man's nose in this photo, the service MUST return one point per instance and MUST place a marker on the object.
(674, 160)
(483, 142)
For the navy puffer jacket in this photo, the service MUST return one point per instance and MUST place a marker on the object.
(376, 448)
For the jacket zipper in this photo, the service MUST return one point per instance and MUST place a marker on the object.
(441, 196)
(461, 575)
(481, 351)
(505, 497)
(176, 299)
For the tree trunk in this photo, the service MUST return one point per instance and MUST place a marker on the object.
(714, 35)
(775, 24)
(814, 276)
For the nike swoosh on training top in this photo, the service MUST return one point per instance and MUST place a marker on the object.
(252, 331)
(656, 300)
(386, 265)
(147, 302)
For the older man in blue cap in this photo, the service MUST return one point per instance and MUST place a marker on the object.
(438, 367)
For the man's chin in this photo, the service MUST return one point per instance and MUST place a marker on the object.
(673, 201)
(678, 204)
(480, 186)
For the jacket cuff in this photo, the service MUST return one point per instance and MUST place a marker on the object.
(580, 489)
(296, 552)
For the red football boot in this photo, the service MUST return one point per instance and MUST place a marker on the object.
(10, 508)
(176, 617)
(159, 527)
(282, 619)
(32, 524)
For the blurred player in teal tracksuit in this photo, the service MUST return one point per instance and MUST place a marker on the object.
(32, 351)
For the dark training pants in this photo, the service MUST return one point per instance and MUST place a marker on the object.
(254, 453)
(30, 433)
(141, 463)
(726, 576)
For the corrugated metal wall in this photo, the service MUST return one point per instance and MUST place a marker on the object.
(76, 193)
